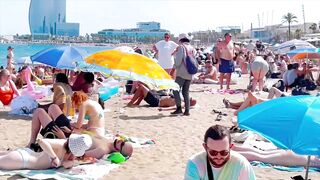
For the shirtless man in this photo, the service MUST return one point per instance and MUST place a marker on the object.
(226, 64)
(102, 146)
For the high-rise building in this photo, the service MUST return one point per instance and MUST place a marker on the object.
(48, 17)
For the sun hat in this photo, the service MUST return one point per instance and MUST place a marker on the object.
(79, 143)
(184, 35)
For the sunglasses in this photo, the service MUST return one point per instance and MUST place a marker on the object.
(121, 145)
(215, 153)
(167, 37)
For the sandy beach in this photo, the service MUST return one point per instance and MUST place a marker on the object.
(177, 138)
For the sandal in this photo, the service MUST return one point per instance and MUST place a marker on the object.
(226, 103)
(219, 117)
(216, 111)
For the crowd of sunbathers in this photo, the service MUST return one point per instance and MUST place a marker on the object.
(63, 141)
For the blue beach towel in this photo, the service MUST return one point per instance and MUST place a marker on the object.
(284, 168)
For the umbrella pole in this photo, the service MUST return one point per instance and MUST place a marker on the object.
(307, 170)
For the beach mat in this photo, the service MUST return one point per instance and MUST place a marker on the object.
(283, 168)
(87, 171)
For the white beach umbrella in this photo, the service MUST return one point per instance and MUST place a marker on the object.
(290, 45)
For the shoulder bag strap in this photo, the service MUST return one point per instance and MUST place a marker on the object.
(209, 170)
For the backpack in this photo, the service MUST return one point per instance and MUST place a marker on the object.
(190, 63)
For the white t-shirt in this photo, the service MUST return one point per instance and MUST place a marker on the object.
(237, 168)
(165, 50)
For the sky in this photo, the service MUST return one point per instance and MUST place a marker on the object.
(177, 16)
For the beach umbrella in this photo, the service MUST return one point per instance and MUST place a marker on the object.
(62, 57)
(304, 53)
(289, 122)
(131, 66)
(290, 45)
(25, 61)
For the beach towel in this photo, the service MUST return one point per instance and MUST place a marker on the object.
(283, 168)
(86, 171)
(23, 105)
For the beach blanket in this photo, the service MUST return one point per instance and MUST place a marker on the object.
(86, 171)
(283, 168)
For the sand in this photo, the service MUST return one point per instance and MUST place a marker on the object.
(177, 138)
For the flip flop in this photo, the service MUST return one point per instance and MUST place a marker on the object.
(216, 111)
(219, 117)
(226, 103)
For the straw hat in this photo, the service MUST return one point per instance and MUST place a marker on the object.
(79, 143)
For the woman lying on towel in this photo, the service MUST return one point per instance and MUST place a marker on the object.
(252, 100)
(276, 157)
(56, 153)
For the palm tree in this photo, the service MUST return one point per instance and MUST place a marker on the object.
(313, 27)
(289, 18)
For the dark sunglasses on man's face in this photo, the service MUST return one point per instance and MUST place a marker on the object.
(167, 37)
(121, 145)
(215, 153)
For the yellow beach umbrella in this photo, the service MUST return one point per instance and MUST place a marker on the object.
(132, 66)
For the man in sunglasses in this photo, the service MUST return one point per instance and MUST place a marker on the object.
(165, 49)
(218, 161)
(102, 146)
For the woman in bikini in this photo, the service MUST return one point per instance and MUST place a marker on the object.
(8, 89)
(56, 153)
(88, 110)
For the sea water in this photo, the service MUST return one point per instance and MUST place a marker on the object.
(24, 50)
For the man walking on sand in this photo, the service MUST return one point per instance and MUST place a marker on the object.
(165, 49)
(226, 64)
(218, 161)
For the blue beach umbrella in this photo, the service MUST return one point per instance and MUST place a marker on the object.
(62, 57)
(289, 122)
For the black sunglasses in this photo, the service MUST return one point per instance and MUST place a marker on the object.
(215, 153)
(121, 145)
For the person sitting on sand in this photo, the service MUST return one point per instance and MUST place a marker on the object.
(88, 110)
(252, 100)
(209, 76)
(276, 157)
(56, 153)
(49, 122)
(62, 93)
(218, 161)
(142, 92)
(8, 89)
(54, 120)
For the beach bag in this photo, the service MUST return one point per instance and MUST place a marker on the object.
(190, 63)
(310, 85)
(297, 91)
